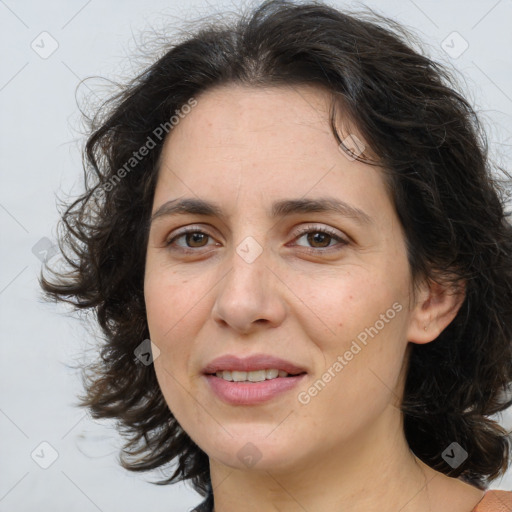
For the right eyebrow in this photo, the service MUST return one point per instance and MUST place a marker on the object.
(187, 206)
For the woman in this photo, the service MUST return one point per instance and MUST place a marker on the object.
(298, 210)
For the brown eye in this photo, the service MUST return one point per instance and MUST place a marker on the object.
(196, 239)
(319, 239)
(188, 240)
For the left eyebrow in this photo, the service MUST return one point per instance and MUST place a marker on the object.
(279, 209)
(322, 204)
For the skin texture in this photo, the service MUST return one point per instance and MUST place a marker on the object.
(304, 299)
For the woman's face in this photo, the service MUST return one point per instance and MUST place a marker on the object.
(266, 273)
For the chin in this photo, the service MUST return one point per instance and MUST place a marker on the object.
(255, 452)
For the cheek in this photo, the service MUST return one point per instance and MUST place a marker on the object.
(337, 307)
(176, 309)
(360, 342)
(172, 324)
(173, 313)
(170, 299)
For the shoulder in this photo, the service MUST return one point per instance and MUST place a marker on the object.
(495, 501)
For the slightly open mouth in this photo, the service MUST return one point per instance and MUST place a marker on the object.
(278, 377)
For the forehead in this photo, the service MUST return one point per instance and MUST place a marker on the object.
(263, 142)
(238, 115)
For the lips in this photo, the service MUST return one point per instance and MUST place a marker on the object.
(252, 363)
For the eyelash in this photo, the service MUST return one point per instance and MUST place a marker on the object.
(301, 232)
(327, 231)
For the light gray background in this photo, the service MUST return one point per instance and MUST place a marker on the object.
(40, 155)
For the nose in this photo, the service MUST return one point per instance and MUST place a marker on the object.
(250, 295)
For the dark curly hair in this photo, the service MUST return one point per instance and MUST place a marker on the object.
(448, 196)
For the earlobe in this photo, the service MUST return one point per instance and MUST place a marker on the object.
(435, 308)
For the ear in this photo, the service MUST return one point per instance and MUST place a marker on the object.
(435, 307)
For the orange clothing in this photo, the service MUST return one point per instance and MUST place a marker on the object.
(495, 501)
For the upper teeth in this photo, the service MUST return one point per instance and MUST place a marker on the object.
(254, 376)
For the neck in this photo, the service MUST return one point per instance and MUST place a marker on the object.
(368, 472)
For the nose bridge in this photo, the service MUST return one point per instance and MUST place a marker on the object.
(248, 293)
(245, 283)
(249, 250)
